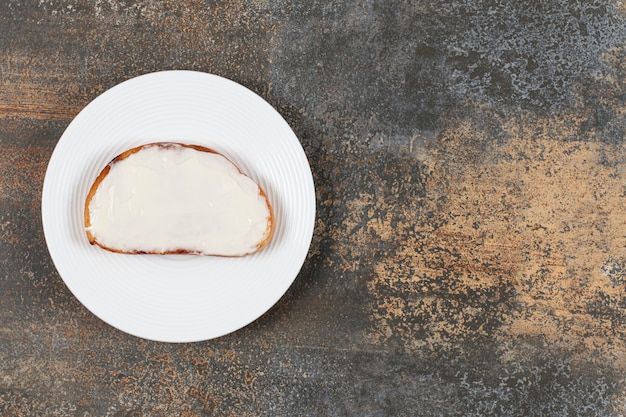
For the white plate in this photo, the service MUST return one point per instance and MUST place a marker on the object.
(179, 298)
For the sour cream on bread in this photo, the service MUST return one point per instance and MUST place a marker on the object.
(173, 198)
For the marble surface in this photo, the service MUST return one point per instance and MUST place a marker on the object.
(469, 256)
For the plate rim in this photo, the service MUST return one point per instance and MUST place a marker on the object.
(58, 153)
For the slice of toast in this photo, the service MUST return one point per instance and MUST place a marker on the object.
(173, 198)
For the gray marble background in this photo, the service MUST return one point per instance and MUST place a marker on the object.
(469, 256)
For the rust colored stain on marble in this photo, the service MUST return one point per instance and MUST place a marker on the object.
(526, 238)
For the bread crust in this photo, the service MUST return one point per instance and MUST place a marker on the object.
(181, 251)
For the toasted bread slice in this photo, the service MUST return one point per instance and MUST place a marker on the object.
(173, 198)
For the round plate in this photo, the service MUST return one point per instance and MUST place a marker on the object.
(179, 298)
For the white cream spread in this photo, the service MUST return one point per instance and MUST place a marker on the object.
(161, 199)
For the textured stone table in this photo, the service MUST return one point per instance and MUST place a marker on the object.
(469, 256)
